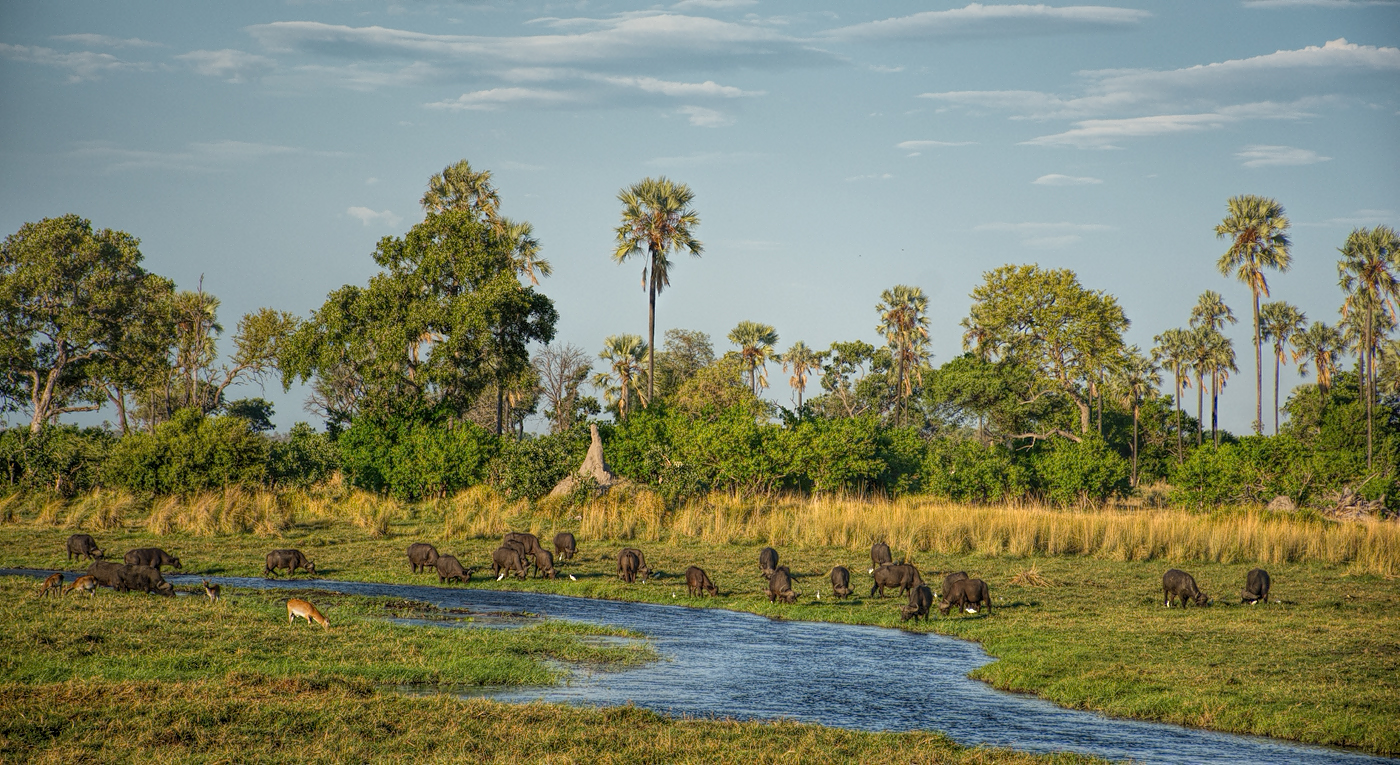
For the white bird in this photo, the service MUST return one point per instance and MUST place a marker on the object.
(573, 578)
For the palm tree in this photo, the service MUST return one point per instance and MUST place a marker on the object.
(525, 250)
(1258, 233)
(1279, 322)
(1319, 345)
(1367, 274)
(459, 187)
(1211, 312)
(802, 361)
(656, 219)
(1220, 361)
(755, 343)
(1200, 351)
(1135, 379)
(1173, 352)
(624, 356)
(904, 323)
(1208, 317)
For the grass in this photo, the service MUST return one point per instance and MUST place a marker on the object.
(1084, 627)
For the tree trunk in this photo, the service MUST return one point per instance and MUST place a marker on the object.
(651, 330)
(1258, 372)
(120, 400)
(1180, 447)
(1368, 381)
(1135, 444)
(1200, 408)
(500, 405)
(1277, 352)
(1214, 408)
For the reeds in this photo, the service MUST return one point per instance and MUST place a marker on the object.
(103, 509)
(481, 512)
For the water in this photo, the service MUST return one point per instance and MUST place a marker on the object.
(730, 664)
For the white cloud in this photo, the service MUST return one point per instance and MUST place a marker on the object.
(81, 65)
(977, 20)
(107, 42)
(496, 98)
(368, 216)
(1278, 156)
(699, 116)
(706, 158)
(1055, 179)
(707, 88)
(871, 177)
(1100, 134)
(208, 156)
(228, 64)
(686, 5)
(1315, 3)
(1042, 228)
(916, 145)
(1359, 218)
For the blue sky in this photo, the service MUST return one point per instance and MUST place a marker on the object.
(835, 149)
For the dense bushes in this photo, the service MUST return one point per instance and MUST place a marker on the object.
(189, 453)
(412, 459)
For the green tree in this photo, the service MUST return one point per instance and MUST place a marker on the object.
(904, 323)
(1258, 233)
(1209, 316)
(1136, 379)
(755, 343)
(459, 187)
(656, 220)
(624, 354)
(1319, 345)
(685, 353)
(1174, 352)
(1279, 322)
(197, 331)
(801, 361)
(562, 369)
(1050, 323)
(1367, 273)
(1219, 360)
(525, 250)
(69, 299)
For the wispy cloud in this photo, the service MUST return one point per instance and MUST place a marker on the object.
(1055, 179)
(699, 116)
(498, 98)
(368, 216)
(712, 5)
(706, 158)
(228, 64)
(1316, 3)
(103, 41)
(196, 157)
(977, 20)
(1358, 218)
(1278, 156)
(1046, 236)
(870, 177)
(918, 145)
(80, 65)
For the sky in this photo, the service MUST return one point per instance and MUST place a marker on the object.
(835, 149)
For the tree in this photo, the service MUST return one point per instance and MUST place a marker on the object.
(1367, 273)
(1135, 379)
(1279, 322)
(755, 343)
(904, 323)
(562, 369)
(257, 411)
(459, 187)
(685, 353)
(624, 355)
(846, 371)
(802, 361)
(197, 331)
(1258, 233)
(70, 298)
(1210, 315)
(1049, 322)
(1319, 345)
(1174, 351)
(656, 219)
(1219, 360)
(525, 250)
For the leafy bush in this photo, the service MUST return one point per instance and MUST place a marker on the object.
(831, 455)
(303, 460)
(1087, 471)
(190, 453)
(412, 460)
(62, 459)
(529, 468)
(964, 470)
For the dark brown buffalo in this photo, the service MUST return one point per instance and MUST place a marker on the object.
(151, 556)
(139, 578)
(1177, 584)
(767, 561)
(83, 546)
(841, 582)
(106, 574)
(920, 600)
(290, 560)
(530, 542)
(956, 576)
(900, 575)
(879, 555)
(564, 546)
(449, 569)
(643, 570)
(544, 564)
(505, 560)
(1256, 586)
(421, 555)
(967, 594)
(780, 586)
(697, 581)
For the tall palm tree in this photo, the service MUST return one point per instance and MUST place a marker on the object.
(1135, 378)
(802, 361)
(624, 355)
(1258, 233)
(656, 219)
(1173, 352)
(459, 187)
(1220, 361)
(755, 343)
(1200, 354)
(525, 250)
(1367, 273)
(1211, 312)
(1279, 322)
(1208, 317)
(904, 323)
(1319, 345)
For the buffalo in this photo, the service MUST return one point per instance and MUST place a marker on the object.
(920, 600)
(956, 576)
(530, 542)
(450, 569)
(968, 594)
(421, 555)
(780, 586)
(1177, 584)
(140, 578)
(643, 570)
(564, 545)
(1256, 586)
(697, 581)
(841, 582)
(630, 565)
(106, 574)
(505, 560)
(879, 555)
(290, 560)
(522, 549)
(544, 564)
(767, 561)
(83, 546)
(900, 575)
(151, 556)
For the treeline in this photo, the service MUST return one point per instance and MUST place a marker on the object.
(425, 378)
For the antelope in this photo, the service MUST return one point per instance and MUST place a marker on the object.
(297, 607)
(212, 591)
(55, 583)
(85, 583)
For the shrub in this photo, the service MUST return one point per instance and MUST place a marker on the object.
(967, 471)
(530, 467)
(413, 460)
(190, 453)
(305, 458)
(63, 459)
(1075, 473)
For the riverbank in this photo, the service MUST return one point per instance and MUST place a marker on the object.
(1318, 665)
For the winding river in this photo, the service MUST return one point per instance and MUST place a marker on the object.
(733, 664)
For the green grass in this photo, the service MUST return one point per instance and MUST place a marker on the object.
(1318, 666)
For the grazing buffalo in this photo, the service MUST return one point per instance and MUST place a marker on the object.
(1177, 584)
(967, 594)
(290, 560)
(151, 556)
(106, 574)
(449, 569)
(900, 575)
(628, 566)
(697, 581)
(564, 545)
(643, 570)
(505, 560)
(1256, 586)
(421, 555)
(956, 576)
(544, 564)
(139, 578)
(920, 600)
(780, 586)
(767, 561)
(841, 582)
(879, 556)
(83, 546)
(530, 542)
